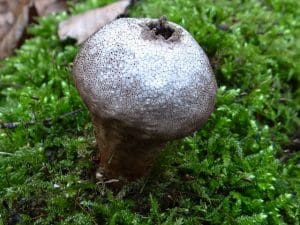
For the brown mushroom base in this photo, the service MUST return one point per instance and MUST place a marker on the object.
(122, 150)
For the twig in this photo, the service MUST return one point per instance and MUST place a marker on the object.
(47, 121)
(11, 125)
(37, 217)
(85, 211)
(7, 180)
(13, 85)
(5, 153)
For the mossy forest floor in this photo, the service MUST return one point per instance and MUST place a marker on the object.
(243, 167)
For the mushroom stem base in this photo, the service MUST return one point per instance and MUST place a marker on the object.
(122, 150)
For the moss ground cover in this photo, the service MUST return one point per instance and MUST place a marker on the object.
(241, 168)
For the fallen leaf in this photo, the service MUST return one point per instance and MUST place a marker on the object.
(14, 5)
(15, 21)
(45, 7)
(81, 26)
(15, 16)
(6, 18)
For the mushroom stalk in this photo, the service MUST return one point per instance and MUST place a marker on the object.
(122, 153)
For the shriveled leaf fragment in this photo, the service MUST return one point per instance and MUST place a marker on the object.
(81, 26)
(6, 18)
(45, 7)
(15, 21)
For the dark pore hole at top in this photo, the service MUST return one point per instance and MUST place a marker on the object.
(162, 28)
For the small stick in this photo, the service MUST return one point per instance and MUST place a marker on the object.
(5, 153)
(47, 121)
(85, 211)
(13, 85)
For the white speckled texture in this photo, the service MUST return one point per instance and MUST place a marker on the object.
(164, 88)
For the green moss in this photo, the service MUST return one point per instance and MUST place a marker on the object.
(235, 170)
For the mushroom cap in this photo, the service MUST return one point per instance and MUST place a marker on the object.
(162, 87)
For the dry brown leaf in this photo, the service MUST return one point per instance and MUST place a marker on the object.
(15, 21)
(15, 16)
(45, 7)
(15, 5)
(6, 18)
(81, 26)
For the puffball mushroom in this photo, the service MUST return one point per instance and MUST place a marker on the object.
(145, 82)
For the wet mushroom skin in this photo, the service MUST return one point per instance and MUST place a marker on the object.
(145, 82)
